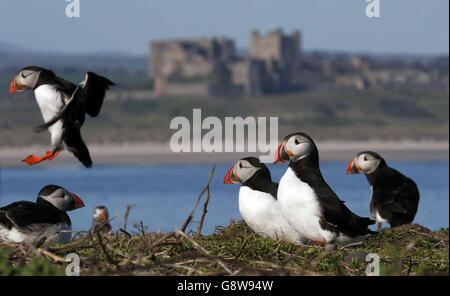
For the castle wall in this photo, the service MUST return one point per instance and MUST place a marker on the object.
(270, 67)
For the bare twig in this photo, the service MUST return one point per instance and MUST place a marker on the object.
(189, 218)
(125, 232)
(159, 241)
(351, 245)
(51, 255)
(205, 205)
(142, 230)
(125, 218)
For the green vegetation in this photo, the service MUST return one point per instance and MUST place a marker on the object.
(340, 114)
(406, 250)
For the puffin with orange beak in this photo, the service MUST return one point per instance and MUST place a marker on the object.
(258, 201)
(25, 221)
(395, 197)
(100, 220)
(63, 106)
(307, 202)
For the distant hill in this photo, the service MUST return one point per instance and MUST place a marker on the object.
(336, 114)
(14, 57)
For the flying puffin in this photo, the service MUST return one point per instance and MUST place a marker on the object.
(308, 203)
(100, 220)
(258, 200)
(63, 106)
(25, 221)
(395, 197)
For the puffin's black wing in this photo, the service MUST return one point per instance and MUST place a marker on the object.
(396, 197)
(24, 213)
(93, 93)
(75, 144)
(335, 215)
(86, 98)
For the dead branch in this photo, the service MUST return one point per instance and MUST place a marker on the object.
(191, 215)
(125, 218)
(205, 205)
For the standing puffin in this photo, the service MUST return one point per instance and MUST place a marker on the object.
(100, 220)
(63, 106)
(395, 197)
(258, 200)
(25, 221)
(308, 203)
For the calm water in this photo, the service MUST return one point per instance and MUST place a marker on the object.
(165, 195)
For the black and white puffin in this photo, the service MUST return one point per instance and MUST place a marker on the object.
(395, 197)
(308, 203)
(258, 200)
(100, 220)
(25, 221)
(63, 106)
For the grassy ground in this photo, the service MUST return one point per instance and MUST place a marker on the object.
(406, 250)
(340, 114)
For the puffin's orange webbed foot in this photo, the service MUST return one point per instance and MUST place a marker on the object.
(53, 155)
(31, 159)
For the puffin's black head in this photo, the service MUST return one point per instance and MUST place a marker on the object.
(365, 162)
(29, 78)
(295, 147)
(100, 214)
(246, 170)
(59, 198)
(26, 79)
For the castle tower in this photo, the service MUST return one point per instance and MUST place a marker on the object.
(281, 54)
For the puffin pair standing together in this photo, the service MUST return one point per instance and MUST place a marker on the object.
(63, 106)
(302, 207)
(258, 202)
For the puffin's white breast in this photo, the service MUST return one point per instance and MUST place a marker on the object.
(31, 233)
(262, 214)
(49, 100)
(11, 235)
(300, 206)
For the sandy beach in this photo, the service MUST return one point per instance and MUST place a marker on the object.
(149, 153)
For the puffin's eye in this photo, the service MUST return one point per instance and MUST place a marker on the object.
(297, 141)
(240, 165)
(365, 158)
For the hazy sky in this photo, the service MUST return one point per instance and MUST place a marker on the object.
(405, 26)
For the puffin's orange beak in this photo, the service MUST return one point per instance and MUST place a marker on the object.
(78, 202)
(279, 154)
(15, 87)
(104, 217)
(12, 89)
(352, 168)
(228, 179)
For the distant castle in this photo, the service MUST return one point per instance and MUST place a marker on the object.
(271, 66)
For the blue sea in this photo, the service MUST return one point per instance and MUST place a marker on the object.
(165, 195)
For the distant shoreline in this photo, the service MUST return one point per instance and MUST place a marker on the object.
(150, 153)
